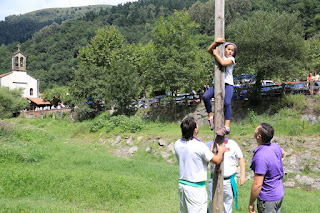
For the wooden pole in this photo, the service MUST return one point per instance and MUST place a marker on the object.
(219, 93)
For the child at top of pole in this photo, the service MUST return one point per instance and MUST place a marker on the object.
(228, 61)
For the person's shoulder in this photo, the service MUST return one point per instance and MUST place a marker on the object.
(276, 146)
(178, 141)
(232, 142)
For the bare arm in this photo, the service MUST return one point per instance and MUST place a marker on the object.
(283, 155)
(255, 190)
(218, 158)
(242, 171)
(218, 40)
(220, 60)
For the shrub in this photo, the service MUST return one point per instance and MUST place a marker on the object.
(297, 102)
(109, 125)
(124, 123)
(11, 102)
(96, 126)
(84, 112)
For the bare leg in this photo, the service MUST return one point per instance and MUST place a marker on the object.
(227, 123)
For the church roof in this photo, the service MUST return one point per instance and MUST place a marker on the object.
(18, 51)
(39, 101)
(5, 74)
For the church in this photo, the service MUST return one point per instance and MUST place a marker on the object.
(18, 78)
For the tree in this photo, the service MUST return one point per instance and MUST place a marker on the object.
(11, 102)
(5, 60)
(56, 95)
(313, 54)
(177, 64)
(107, 71)
(203, 13)
(269, 44)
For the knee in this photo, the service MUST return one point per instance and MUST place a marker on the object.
(227, 102)
(205, 97)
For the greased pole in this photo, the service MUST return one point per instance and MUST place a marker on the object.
(219, 93)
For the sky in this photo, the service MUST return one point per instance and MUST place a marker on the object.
(17, 7)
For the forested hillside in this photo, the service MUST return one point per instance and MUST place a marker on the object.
(52, 51)
(277, 39)
(19, 28)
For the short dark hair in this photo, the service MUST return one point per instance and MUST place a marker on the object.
(188, 126)
(266, 131)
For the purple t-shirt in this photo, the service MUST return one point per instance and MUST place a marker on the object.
(267, 161)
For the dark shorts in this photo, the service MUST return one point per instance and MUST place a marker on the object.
(269, 206)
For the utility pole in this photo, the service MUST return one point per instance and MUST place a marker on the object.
(219, 93)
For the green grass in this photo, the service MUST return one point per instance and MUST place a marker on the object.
(71, 177)
(57, 166)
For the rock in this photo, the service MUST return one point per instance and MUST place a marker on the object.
(100, 135)
(170, 147)
(101, 141)
(305, 180)
(316, 185)
(292, 164)
(249, 176)
(132, 150)
(289, 184)
(165, 155)
(118, 139)
(140, 138)
(130, 142)
(148, 149)
(162, 142)
(310, 118)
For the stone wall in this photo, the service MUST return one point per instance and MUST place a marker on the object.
(44, 113)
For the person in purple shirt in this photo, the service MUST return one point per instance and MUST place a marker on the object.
(267, 187)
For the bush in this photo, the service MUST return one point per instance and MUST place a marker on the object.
(296, 102)
(11, 102)
(84, 112)
(96, 126)
(124, 123)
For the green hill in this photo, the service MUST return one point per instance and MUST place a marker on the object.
(52, 14)
(19, 28)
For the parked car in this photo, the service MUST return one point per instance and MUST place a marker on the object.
(271, 90)
(153, 103)
(244, 79)
(181, 99)
(241, 96)
(267, 82)
(297, 88)
(193, 99)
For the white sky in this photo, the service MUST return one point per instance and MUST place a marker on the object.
(17, 7)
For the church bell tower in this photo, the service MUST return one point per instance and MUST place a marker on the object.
(19, 60)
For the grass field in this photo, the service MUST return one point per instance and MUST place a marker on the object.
(56, 166)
